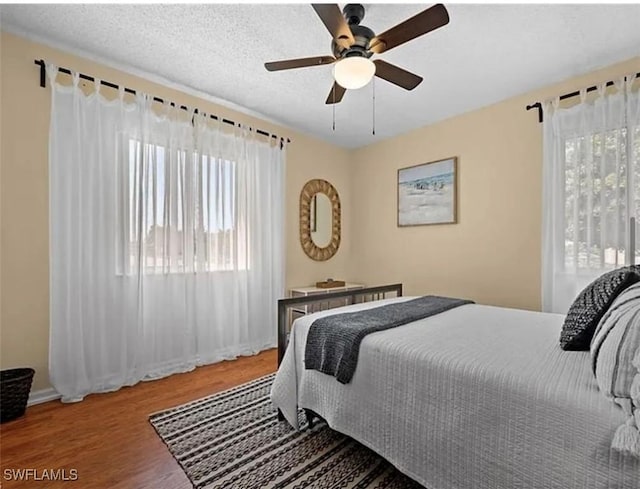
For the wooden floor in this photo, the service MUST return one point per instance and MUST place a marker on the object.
(107, 438)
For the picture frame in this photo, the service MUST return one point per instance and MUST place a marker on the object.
(428, 193)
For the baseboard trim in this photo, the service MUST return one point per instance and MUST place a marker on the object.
(43, 395)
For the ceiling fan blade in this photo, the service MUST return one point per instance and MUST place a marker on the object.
(396, 75)
(336, 94)
(289, 64)
(418, 25)
(331, 16)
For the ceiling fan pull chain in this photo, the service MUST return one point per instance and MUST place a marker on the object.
(334, 106)
(374, 105)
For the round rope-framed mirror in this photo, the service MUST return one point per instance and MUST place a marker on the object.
(319, 219)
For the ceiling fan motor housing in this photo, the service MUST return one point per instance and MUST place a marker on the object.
(354, 13)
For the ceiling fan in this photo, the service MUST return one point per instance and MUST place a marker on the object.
(353, 45)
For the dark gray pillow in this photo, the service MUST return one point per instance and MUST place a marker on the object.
(591, 304)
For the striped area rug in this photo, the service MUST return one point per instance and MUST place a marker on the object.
(234, 440)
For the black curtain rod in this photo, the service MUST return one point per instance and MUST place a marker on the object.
(43, 83)
(538, 105)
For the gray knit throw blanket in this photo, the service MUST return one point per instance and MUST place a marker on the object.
(333, 342)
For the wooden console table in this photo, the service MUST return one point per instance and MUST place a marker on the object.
(302, 309)
(358, 293)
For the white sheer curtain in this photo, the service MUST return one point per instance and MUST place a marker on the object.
(166, 248)
(591, 189)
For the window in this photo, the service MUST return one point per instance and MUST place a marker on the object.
(591, 190)
(180, 212)
(601, 194)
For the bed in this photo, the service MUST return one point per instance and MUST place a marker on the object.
(477, 397)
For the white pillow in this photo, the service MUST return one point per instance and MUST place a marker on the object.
(615, 356)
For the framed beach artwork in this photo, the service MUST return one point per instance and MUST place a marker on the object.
(427, 193)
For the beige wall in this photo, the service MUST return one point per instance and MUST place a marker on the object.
(493, 254)
(24, 276)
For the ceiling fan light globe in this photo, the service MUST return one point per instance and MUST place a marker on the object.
(354, 72)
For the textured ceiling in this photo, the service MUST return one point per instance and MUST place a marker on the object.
(487, 53)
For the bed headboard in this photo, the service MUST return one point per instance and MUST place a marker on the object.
(351, 297)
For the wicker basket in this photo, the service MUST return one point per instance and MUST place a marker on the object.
(15, 385)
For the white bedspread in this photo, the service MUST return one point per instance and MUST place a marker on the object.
(478, 397)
